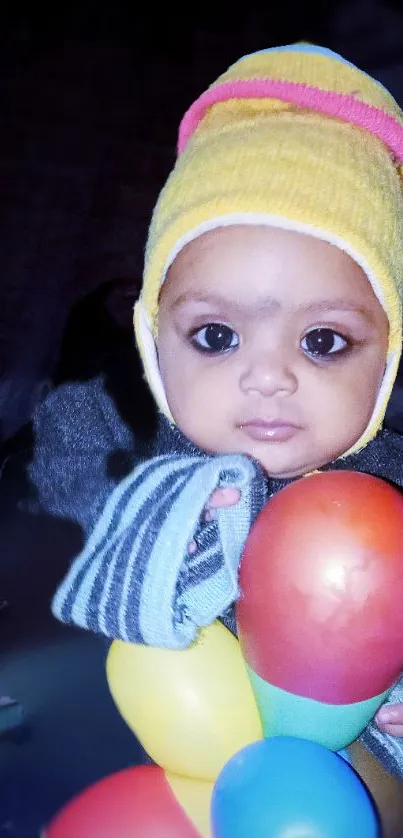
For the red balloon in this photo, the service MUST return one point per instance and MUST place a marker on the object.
(320, 613)
(134, 802)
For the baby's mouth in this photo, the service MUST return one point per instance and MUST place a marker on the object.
(274, 430)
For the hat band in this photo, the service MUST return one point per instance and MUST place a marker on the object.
(341, 106)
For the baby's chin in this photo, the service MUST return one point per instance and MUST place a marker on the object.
(279, 466)
(293, 471)
(288, 474)
(283, 471)
(279, 463)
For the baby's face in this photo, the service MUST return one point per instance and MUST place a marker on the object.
(271, 343)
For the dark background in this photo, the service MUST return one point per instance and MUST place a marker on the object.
(90, 100)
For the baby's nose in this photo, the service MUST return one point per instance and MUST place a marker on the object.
(268, 373)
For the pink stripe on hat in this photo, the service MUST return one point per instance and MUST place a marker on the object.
(337, 105)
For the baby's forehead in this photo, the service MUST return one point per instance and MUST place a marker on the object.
(252, 240)
(265, 266)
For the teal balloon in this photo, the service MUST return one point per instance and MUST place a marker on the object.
(290, 788)
(332, 725)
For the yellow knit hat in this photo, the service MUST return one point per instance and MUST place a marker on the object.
(296, 138)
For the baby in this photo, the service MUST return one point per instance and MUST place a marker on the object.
(269, 325)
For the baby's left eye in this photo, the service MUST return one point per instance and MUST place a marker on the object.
(323, 342)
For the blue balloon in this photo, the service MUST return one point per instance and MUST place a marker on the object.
(285, 787)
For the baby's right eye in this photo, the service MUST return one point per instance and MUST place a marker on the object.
(215, 338)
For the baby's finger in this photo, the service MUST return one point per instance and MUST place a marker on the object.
(392, 730)
(390, 719)
(224, 497)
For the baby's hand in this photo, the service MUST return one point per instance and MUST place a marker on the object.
(220, 497)
(390, 719)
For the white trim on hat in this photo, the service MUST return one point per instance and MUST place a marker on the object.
(148, 348)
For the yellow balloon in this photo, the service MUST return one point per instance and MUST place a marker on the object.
(194, 796)
(190, 709)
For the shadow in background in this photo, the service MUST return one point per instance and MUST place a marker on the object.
(71, 734)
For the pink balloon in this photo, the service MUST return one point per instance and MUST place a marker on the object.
(134, 802)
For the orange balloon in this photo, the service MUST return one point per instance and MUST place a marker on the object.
(321, 577)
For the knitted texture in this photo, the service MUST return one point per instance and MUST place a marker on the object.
(136, 578)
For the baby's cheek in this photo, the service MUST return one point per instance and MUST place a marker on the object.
(200, 419)
(186, 403)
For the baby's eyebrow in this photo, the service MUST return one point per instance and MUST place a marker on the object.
(266, 305)
(198, 297)
(334, 304)
(269, 305)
